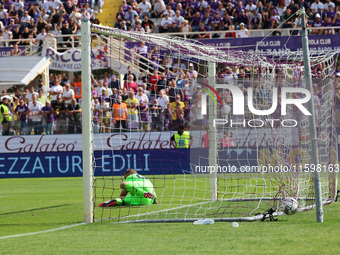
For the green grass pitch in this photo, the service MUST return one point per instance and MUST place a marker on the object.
(32, 205)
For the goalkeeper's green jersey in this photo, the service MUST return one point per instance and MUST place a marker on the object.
(141, 182)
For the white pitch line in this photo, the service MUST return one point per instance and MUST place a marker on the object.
(44, 231)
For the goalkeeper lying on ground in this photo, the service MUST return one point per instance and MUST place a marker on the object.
(140, 188)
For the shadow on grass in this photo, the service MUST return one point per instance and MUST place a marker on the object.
(36, 209)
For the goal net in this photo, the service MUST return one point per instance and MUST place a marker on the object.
(246, 114)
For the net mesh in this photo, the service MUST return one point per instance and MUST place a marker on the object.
(259, 159)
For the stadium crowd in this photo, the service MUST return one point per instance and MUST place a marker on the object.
(24, 20)
(173, 16)
(159, 102)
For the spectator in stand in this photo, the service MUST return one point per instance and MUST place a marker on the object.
(216, 24)
(108, 91)
(165, 23)
(129, 72)
(143, 116)
(330, 12)
(292, 6)
(132, 104)
(243, 32)
(328, 23)
(67, 30)
(190, 14)
(40, 39)
(142, 50)
(48, 118)
(185, 28)
(172, 4)
(16, 126)
(173, 91)
(250, 9)
(41, 98)
(17, 94)
(74, 113)
(125, 6)
(69, 7)
(178, 18)
(275, 19)
(104, 116)
(58, 110)
(115, 83)
(226, 141)
(181, 81)
(95, 119)
(220, 9)
(35, 115)
(203, 34)
(153, 79)
(16, 34)
(124, 94)
(317, 23)
(207, 21)
(56, 90)
(179, 8)
(287, 19)
(15, 51)
(163, 99)
(141, 96)
(230, 77)
(103, 96)
(68, 94)
(169, 11)
(256, 21)
(174, 104)
(100, 87)
(242, 18)
(189, 90)
(119, 110)
(134, 22)
(168, 116)
(231, 11)
(178, 66)
(148, 25)
(19, 7)
(7, 34)
(195, 22)
(155, 56)
(336, 21)
(305, 4)
(76, 16)
(129, 16)
(161, 84)
(22, 112)
(192, 73)
(155, 112)
(316, 7)
(30, 93)
(145, 9)
(130, 83)
(158, 9)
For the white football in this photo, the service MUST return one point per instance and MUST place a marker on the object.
(289, 205)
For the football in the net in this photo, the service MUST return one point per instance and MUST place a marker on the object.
(289, 205)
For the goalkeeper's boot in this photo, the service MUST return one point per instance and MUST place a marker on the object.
(149, 195)
(108, 203)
